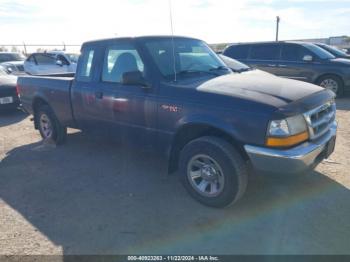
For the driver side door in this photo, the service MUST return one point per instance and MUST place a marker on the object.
(132, 108)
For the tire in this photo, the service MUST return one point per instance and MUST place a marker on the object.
(221, 166)
(53, 130)
(328, 82)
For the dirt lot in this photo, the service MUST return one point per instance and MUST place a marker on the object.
(94, 197)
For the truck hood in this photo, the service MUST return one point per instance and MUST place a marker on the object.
(260, 87)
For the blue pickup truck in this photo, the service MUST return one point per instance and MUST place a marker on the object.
(176, 96)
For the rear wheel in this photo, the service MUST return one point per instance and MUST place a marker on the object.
(49, 126)
(213, 172)
(333, 83)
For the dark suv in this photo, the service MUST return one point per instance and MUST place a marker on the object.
(296, 60)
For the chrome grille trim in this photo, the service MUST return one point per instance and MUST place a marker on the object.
(320, 119)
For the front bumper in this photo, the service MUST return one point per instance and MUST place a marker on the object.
(294, 160)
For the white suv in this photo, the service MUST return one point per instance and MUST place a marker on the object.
(53, 62)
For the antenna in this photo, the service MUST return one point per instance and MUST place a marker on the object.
(172, 35)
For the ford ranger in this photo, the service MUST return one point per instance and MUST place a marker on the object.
(176, 96)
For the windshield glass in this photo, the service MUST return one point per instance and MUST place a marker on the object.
(334, 50)
(73, 57)
(234, 64)
(321, 53)
(191, 56)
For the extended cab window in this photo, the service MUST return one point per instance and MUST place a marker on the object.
(238, 51)
(265, 52)
(84, 73)
(120, 59)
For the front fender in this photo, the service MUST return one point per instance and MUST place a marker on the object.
(210, 121)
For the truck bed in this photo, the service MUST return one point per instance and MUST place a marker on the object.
(54, 90)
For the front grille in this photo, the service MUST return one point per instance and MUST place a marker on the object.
(320, 119)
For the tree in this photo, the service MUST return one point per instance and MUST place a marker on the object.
(41, 50)
(14, 49)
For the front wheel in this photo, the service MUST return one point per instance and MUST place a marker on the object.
(332, 83)
(213, 172)
(49, 126)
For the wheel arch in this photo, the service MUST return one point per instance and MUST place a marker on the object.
(191, 131)
(37, 102)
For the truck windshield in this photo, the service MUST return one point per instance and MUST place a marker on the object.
(189, 56)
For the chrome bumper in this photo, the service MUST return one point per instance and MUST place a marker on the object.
(294, 160)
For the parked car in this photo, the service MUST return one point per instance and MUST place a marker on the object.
(6, 57)
(174, 95)
(8, 92)
(296, 60)
(55, 62)
(334, 51)
(14, 67)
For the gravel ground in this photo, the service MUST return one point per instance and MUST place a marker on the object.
(91, 196)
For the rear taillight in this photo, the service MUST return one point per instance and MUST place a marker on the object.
(17, 90)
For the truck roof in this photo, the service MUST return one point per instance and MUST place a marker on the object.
(93, 42)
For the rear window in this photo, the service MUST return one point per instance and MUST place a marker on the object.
(237, 51)
(265, 52)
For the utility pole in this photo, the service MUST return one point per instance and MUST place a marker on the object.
(277, 27)
(25, 48)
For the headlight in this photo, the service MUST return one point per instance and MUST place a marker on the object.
(287, 132)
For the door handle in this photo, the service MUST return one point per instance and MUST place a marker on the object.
(271, 65)
(282, 65)
(99, 94)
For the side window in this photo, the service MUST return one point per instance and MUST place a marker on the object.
(294, 52)
(119, 59)
(63, 59)
(265, 52)
(45, 59)
(238, 51)
(84, 73)
(31, 59)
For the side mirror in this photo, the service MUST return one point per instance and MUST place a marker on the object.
(134, 78)
(308, 58)
(59, 63)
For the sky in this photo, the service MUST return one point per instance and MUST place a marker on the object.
(215, 21)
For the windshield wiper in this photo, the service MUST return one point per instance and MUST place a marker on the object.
(242, 70)
(185, 72)
(219, 68)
